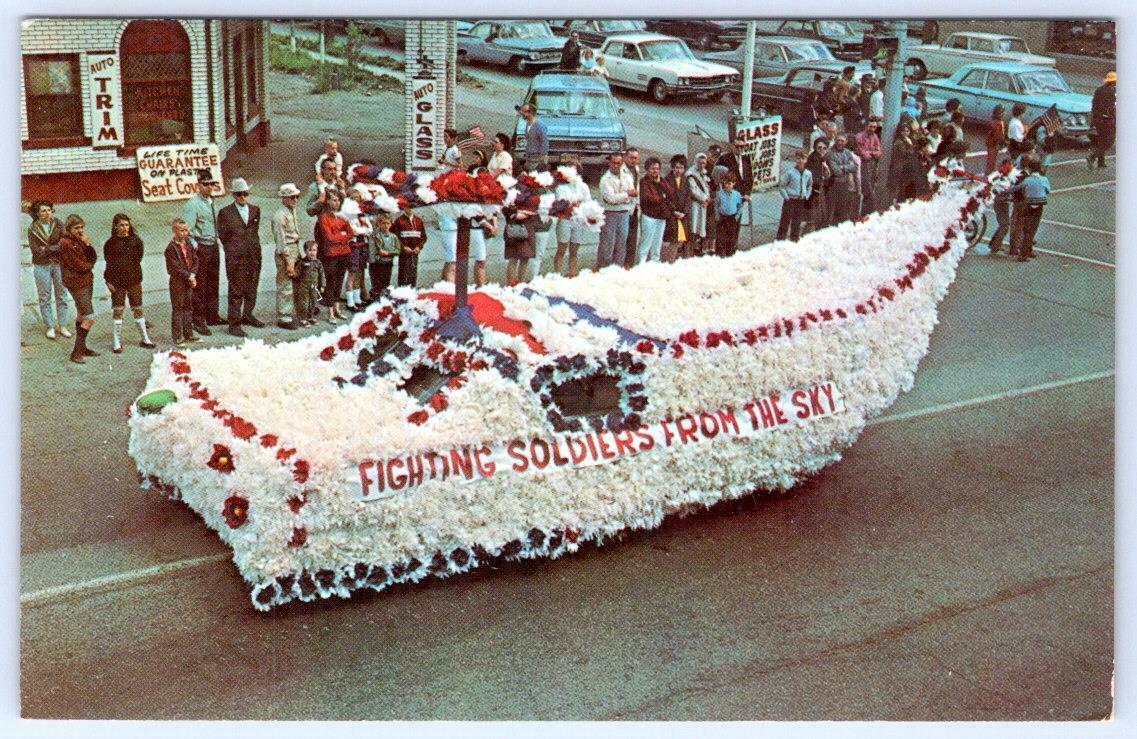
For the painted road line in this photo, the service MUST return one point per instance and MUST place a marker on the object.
(1090, 186)
(126, 579)
(985, 399)
(1075, 258)
(1076, 227)
(1060, 163)
(107, 582)
(1064, 255)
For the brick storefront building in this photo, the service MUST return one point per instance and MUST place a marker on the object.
(93, 90)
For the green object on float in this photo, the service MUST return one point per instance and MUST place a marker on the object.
(155, 401)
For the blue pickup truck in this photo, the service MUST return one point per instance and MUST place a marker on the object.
(579, 113)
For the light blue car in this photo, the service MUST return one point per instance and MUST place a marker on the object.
(981, 86)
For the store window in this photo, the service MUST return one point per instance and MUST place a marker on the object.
(156, 83)
(52, 96)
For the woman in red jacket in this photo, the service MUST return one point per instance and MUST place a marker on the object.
(996, 137)
(77, 257)
(334, 235)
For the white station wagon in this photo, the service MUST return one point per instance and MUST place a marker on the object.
(969, 47)
(663, 66)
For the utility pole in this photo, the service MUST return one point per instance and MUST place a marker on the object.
(893, 90)
(748, 69)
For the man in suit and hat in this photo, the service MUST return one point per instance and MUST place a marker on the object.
(199, 213)
(238, 228)
(286, 237)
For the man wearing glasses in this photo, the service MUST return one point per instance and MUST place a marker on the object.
(238, 227)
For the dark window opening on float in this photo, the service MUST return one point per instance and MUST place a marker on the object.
(585, 397)
(424, 382)
(156, 83)
(383, 344)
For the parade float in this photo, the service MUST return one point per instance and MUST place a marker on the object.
(439, 430)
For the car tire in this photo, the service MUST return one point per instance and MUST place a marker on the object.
(517, 65)
(705, 42)
(658, 91)
(916, 69)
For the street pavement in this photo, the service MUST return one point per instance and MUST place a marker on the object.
(956, 564)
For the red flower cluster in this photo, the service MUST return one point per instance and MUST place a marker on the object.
(367, 328)
(645, 347)
(434, 351)
(300, 471)
(457, 186)
(235, 511)
(438, 402)
(327, 353)
(299, 537)
(282, 454)
(241, 428)
(268, 440)
(419, 417)
(690, 338)
(296, 502)
(346, 342)
(180, 367)
(222, 459)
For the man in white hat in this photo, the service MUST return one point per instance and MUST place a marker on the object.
(238, 228)
(286, 236)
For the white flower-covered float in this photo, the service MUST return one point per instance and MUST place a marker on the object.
(388, 450)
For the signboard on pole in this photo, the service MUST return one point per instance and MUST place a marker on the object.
(761, 142)
(426, 111)
(103, 82)
(169, 171)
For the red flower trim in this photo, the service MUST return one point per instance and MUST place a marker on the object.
(222, 459)
(299, 537)
(346, 342)
(300, 471)
(235, 511)
(438, 402)
(327, 353)
(368, 329)
(419, 417)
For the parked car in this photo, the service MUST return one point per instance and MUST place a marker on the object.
(385, 31)
(966, 48)
(704, 34)
(595, 32)
(580, 114)
(520, 45)
(983, 85)
(926, 30)
(841, 38)
(776, 54)
(664, 67)
(793, 93)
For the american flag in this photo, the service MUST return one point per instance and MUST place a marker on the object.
(1049, 119)
(470, 138)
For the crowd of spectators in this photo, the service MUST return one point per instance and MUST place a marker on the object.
(331, 256)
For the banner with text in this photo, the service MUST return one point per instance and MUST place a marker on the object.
(383, 477)
(169, 171)
(104, 86)
(762, 144)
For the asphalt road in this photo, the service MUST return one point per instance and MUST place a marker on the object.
(956, 564)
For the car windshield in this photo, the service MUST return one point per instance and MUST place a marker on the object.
(660, 51)
(1009, 45)
(536, 29)
(1042, 81)
(586, 104)
(834, 28)
(616, 26)
(810, 53)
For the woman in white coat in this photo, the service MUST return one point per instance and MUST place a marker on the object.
(696, 178)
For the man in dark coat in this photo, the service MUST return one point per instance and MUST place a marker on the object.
(1103, 117)
(238, 226)
(570, 53)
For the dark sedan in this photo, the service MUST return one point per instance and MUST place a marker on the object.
(594, 33)
(705, 35)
